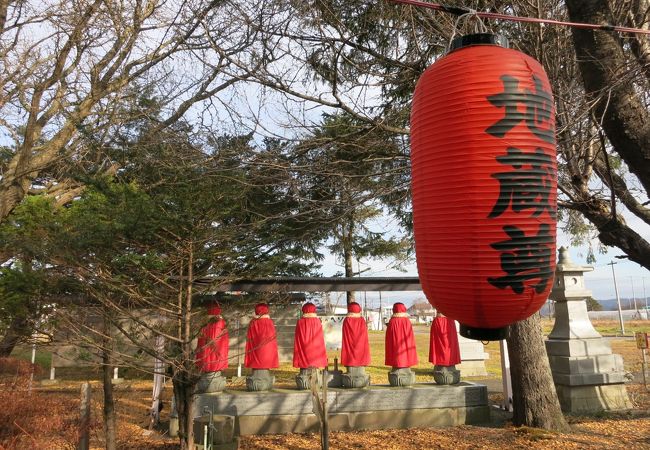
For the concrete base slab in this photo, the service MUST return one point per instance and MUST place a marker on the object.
(375, 407)
(223, 429)
(366, 420)
(592, 399)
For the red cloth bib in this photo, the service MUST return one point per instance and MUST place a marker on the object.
(443, 342)
(400, 343)
(309, 344)
(261, 345)
(212, 348)
(356, 350)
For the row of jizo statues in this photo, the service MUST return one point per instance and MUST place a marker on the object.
(309, 353)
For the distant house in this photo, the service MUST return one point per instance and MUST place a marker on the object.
(422, 311)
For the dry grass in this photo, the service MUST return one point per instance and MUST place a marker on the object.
(47, 419)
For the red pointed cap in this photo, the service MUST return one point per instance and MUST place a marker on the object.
(354, 307)
(399, 308)
(261, 309)
(308, 308)
(214, 310)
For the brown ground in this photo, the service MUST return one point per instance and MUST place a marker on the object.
(47, 419)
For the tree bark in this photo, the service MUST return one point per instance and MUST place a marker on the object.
(535, 402)
(109, 402)
(606, 77)
(16, 332)
(348, 257)
(183, 380)
(183, 391)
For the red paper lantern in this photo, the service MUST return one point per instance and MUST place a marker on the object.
(484, 180)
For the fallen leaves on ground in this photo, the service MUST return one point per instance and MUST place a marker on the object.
(47, 419)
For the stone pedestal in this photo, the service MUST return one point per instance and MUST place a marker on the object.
(355, 377)
(446, 374)
(588, 376)
(303, 379)
(401, 376)
(373, 408)
(334, 378)
(220, 432)
(260, 380)
(473, 356)
(211, 382)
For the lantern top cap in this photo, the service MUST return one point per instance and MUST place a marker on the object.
(479, 39)
(565, 264)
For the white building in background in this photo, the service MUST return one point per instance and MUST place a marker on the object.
(421, 311)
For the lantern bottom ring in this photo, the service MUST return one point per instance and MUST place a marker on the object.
(484, 334)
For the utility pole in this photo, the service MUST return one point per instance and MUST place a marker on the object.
(633, 295)
(618, 299)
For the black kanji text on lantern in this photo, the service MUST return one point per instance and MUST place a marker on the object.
(527, 185)
(524, 258)
(537, 105)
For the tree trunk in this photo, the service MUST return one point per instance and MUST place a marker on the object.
(183, 379)
(348, 258)
(16, 332)
(109, 403)
(535, 402)
(183, 391)
(607, 80)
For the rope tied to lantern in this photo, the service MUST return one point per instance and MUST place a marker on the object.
(471, 16)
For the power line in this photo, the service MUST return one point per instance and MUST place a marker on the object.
(460, 11)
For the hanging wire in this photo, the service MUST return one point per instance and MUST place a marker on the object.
(472, 14)
(458, 10)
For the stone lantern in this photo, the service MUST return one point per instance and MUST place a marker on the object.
(587, 375)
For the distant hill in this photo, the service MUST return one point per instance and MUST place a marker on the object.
(626, 303)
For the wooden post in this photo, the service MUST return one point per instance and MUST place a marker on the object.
(644, 367)
(320, 407)
(505, 376)
(84, 420)
(31, 375)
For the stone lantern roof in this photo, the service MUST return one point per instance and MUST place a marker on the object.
(565, 264)
(569, 281)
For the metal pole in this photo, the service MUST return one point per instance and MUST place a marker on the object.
(645, 299)
(618, 299)
(633, 295)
